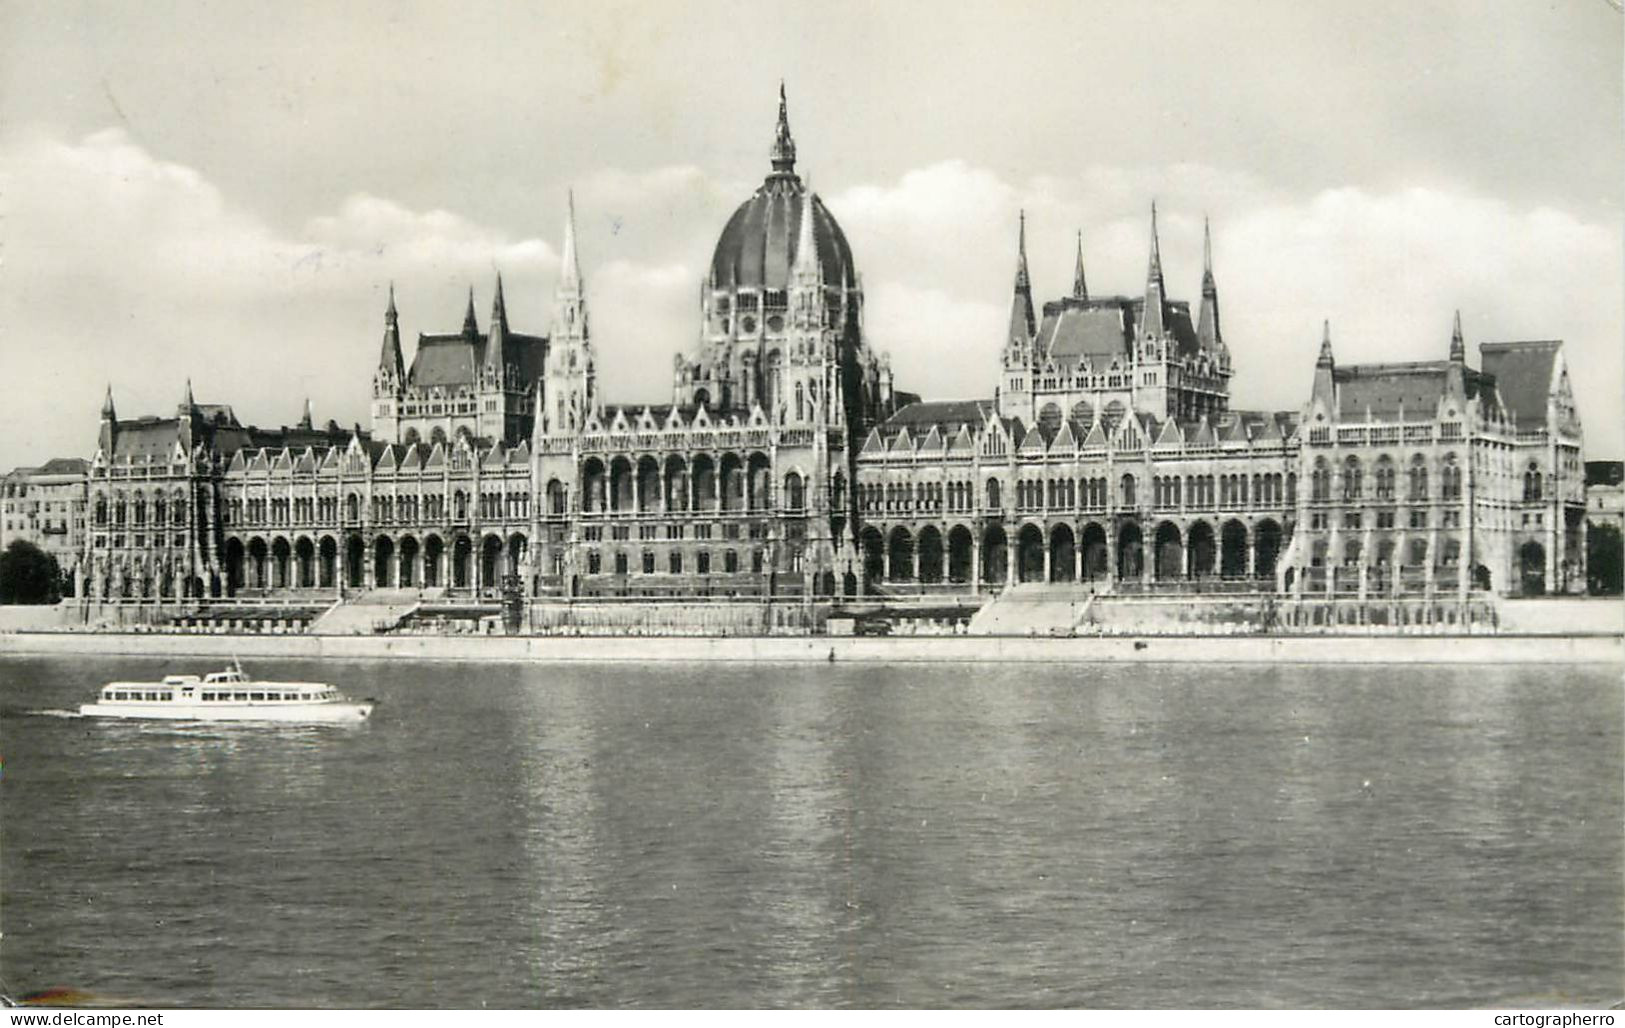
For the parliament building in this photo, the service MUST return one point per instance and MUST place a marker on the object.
(786, 465)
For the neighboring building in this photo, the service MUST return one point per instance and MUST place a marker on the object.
(1605, 493)
(787, 465)
(1605, 526)
(46, 506)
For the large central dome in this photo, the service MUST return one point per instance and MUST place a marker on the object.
(757, 249)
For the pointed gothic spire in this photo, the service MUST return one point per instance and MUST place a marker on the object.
(1207, 256)
(1458, 345)
(1154, 321)
(1153, 272)
(1080, 286)
(784, 147)
(806, 269)
(471, 327)
(499, 311)
(108, 414)
(1022, 324)
(569, 263)
(308, 419)
(187, 403)
(496, 357)
(1207, 322)
(1325, 390)
(391, 373)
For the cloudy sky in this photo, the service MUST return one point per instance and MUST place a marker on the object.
(225, 191)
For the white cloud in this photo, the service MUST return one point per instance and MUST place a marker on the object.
(121, 265)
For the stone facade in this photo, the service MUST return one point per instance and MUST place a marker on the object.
(46, 506)
(786, 465)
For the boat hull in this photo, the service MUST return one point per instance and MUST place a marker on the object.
(284, 713)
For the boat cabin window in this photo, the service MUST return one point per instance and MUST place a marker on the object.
(239, 695)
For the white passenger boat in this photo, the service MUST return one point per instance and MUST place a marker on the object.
(229, 695)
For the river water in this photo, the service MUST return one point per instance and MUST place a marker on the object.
(789, 835)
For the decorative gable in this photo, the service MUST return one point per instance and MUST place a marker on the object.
(873, 446)
(1064, 441)
(963, 445)
(1170, 438)
(1032, 444)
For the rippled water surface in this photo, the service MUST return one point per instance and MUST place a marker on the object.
(526, 835)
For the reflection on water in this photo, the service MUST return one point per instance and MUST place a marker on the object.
(524, 835)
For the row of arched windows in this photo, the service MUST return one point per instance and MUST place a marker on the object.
(135, 510)
(1352, 480)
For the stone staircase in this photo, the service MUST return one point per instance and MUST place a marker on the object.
(1034, 608)
(368, 613)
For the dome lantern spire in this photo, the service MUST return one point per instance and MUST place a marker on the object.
(784, 147)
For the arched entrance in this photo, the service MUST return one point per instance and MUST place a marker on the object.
(900, 555)
(1096, 554)
(305, 560)
(1203, 551)
(1130, 551)
(995, 556)
(490, 561)
(434, 552)
(327, 566)
(281, 558)
(462, 562)
(517, 545)
(1233, 549)
(1266, 548)
(874, 555)
(1062, 554)
(234, 566)
(355, 562)
(1170, 553)
(1030, 554)
(408, 573)
(1532, 569)
(960, 555)
(383, 562)
(930, 555)
(256, 563)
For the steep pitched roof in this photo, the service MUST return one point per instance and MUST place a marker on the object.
(1099, 329)
(1384, 389)
(1523, 377)
(944, 415)
(445, 360)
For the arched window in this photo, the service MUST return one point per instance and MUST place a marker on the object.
(792, 482)
(1320, 481)
(1532, 483)
(352, 507)
(1128, 491)
(101, 510)
(1385, 478)
(1450, 479)
(992, 494)
(1419, 478)
(1353, 478)
(460, 505)
(140, 509)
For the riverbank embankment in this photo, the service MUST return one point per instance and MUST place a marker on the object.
(1235, 649)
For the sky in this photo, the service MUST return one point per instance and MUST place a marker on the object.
(225, 191)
